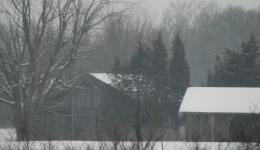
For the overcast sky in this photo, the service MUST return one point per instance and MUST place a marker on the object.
(160, 5)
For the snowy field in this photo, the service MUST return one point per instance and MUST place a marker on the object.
(7, 142)
(80, 145)
(7, 134)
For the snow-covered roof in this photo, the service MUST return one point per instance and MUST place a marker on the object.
(221, 100)
(104, 77)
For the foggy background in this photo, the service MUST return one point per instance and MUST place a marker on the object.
(208, 28)
(161, 5)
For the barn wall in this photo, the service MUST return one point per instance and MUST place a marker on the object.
(5, 112)
(197, 128)
(91, 120)
(75, 119)
(207, 127)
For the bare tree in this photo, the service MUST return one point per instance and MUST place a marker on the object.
(37, 49)
(121, 35)
(182, 16)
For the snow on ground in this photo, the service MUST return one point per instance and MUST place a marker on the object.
(81, 145)
(7, 141)
(7, 134)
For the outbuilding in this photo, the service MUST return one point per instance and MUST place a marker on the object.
(221, 114)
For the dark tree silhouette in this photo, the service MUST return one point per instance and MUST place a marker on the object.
(179, 71)
(117, 65)
(237, 69)
(159, 67)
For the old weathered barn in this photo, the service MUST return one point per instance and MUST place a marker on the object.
(80, 114)
(221, 114)
(96, 109)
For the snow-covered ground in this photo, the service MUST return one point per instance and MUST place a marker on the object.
(7, 134)
(7, 141)
(82, 145)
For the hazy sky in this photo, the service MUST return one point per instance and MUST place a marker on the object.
(160, 5)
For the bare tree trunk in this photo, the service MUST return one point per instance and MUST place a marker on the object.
(21, 123)
(138, 113)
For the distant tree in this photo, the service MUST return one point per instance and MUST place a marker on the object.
(134, 79)
(179, 71)
(139, 63)
(137, 68)
(209, 78)
(143, 87)
(117, 65)
(250, 59)
(158, 70)
(237, 68)
(227, 71)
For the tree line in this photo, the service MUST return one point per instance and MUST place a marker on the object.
(157, 83)
(167, 75)
(206, 29)
(237, 68)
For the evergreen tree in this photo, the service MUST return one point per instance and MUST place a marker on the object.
(117, 65)
(179, 71)
(210, 78)
(158, 68)
(215, 77)
(238, 69)
(136, 82)
(250, 58)
(139, 63)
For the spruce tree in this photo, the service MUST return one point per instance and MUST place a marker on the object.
(117, 65)
(238, 69)
(228, 70)
(137, 83)
(158, 68)
(139, 63)
(250, 57)
(136, 74)
(210, 78)
(179, 71)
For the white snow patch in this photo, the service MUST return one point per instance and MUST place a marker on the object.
(221, 100)
(7, 134)
(104, 77)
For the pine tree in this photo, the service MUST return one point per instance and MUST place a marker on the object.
(139, 63)
(228, 70)
(215, 77)
(238, 69)
(137, 83)
(209, 78)
(117, 65)
(250, 62)
(158, 69)
(179, 71)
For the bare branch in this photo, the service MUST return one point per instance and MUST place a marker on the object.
(6, 101)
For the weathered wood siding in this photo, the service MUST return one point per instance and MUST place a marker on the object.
(5, 112)
(207, 127)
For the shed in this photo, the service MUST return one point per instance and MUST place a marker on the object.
(221, 114)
